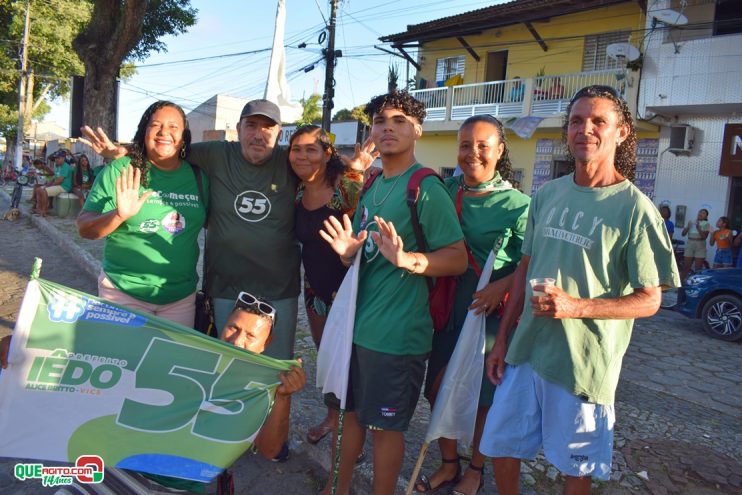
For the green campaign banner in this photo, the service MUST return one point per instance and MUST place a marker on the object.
(88, 377)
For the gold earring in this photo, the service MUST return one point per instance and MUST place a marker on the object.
(182, 153)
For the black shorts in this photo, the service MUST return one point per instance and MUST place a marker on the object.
(384, 388)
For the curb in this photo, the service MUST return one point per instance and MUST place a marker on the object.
(87, 262)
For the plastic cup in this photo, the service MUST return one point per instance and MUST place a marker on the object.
(541, 281)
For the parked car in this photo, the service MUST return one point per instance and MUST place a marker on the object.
(714, 296)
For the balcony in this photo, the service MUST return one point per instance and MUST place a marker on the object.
(544, 96)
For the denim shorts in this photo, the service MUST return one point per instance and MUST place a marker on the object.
(723, 257)
(528, 412)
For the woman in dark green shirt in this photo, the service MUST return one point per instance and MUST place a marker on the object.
(493, 217)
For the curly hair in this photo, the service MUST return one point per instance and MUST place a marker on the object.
(335, 166)
(401, 100)
(503, 164)
(625, 161)
(138, 151)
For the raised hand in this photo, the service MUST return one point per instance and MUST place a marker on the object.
(98, 140)
(128, 201)
(341, 236)
(390, 243)
(363, 157)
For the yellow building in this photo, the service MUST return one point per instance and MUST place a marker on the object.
(521, 62)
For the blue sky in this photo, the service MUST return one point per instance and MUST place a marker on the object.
(226, 27)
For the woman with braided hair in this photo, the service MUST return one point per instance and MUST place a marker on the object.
(150, 206)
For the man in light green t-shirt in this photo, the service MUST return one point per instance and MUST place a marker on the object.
(62, 182)
(604, 245)
(393, 329)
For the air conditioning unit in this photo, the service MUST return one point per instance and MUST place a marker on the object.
(681, 139)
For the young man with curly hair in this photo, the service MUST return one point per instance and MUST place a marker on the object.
(393, 329)
(605, 245)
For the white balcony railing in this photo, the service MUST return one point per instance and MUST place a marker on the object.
(541, 96)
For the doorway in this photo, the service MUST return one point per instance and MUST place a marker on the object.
(497, 64)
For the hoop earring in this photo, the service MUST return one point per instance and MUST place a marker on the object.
(182, 153)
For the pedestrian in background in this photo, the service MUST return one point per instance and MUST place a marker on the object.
(695, 250)
(723, 240)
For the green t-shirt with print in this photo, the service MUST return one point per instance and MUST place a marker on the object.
(67, 172)
(87, 177)
(392, 314)
(152, 256)
(486, 218)
(600, 242)
(250, 242)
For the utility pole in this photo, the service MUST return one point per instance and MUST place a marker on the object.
(22, 90)
(330, 57)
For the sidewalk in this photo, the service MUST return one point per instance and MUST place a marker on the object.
(678, 409)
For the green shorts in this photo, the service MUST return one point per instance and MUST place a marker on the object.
(384, 388)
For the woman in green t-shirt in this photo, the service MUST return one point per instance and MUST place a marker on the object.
(493, 217)
(150, 206)
(83, 178)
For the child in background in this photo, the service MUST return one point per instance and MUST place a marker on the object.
(723, 239)
(666, 214)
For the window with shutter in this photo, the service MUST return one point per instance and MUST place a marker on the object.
(594, 56)
(446, 68)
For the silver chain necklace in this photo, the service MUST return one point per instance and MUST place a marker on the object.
(379, 203)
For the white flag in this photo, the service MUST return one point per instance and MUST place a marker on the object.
(455, 410)
(277, 88)
(333, 358)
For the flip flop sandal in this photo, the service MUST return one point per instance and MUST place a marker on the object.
(317, 433)
(425, 481)
(481, 480)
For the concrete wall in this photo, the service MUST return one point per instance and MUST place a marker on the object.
(690, 72)
(694, 180)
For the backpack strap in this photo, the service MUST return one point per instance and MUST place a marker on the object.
(373, 173)
(413, 194)
(472, 261)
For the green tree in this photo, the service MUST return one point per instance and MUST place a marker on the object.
(342, 115)
(392, 78)
(312, 110)
(119, 31)
(51, 61)
(356, 113)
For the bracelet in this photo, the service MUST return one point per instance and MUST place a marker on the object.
(347, 261)
(415, 265)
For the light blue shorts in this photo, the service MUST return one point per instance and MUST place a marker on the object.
(528, 412)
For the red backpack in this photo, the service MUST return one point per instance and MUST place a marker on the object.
(443, 291)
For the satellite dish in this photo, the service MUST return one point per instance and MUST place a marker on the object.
(671, 17)
(622, 52)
